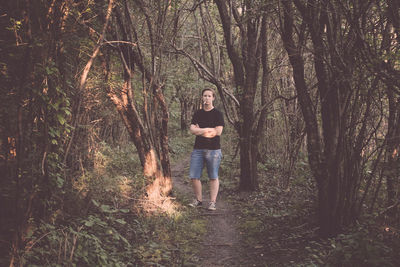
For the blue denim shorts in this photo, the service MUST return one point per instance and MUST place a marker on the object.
(212, 159)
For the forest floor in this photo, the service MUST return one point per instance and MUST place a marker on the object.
(221, 242)
(276, 226)
(248, 229)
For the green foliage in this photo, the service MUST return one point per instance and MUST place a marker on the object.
(269, 164)
(180, 145)
(113, 232)
(55, 102)
(96, 240)
(360, 248)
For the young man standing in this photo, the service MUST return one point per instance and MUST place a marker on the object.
(207, 124)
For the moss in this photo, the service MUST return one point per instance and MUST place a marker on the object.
(198, 226)
(252, 228)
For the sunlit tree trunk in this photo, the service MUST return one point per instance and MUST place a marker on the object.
(158, 176)
(147, 127)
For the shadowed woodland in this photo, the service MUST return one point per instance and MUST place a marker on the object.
(96, 102)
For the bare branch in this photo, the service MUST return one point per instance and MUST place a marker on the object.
(96, 49)
(205, 73)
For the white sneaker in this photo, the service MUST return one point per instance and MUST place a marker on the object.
(212, 206)
(196, 204)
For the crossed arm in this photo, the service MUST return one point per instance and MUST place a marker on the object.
(206, 132)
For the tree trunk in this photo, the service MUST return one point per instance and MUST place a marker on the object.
(248, 162)
(246, 61)
(158, 177)
(148, 128)
(337, 191)
(334, 145)
(184, 111)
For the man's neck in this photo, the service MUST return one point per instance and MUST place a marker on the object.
(208, 107)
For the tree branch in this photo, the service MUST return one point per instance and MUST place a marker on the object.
(206, 73)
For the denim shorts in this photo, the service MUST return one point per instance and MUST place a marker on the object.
(212, 159)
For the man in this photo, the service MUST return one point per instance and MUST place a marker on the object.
(207, 124)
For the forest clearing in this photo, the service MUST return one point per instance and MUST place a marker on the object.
(98, 121)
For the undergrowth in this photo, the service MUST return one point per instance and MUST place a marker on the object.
(278, 226)
(102, 225)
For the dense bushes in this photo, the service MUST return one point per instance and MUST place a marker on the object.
(104, 226)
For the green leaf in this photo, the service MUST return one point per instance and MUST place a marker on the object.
(61, 119)
(95, 203)
(60, 182)
(121, 221)
(89, 223)
(105, 208)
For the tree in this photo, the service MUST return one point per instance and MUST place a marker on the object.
(34, 115)
(147, 125)
(338, 128)
(379, 53)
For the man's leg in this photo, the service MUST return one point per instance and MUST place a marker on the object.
(213, 160)
(196, 167)
(214, 187)
(196, 185)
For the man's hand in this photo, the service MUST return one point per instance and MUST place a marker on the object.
(205, 132)
(209, 132)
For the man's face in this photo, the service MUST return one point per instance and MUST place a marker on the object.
(208, 97)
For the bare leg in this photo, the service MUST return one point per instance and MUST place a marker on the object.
(214, 187)
(196, 185)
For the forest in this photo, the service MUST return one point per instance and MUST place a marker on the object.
(97, 98)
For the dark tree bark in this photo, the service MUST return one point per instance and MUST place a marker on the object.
(246, 58)
(334, 145)
(186, 98)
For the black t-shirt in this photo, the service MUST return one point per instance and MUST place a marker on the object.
(208, 119)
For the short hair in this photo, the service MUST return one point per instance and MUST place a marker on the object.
(208, 89)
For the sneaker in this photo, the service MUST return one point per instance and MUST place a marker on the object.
(212, 206)
(196, 204)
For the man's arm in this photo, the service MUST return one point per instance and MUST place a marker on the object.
(206, 132)
(218, 130)
(196, 130)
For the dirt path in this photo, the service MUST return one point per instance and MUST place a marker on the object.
(221, 244)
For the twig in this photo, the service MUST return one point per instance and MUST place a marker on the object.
(37, 240)
(212, 214)
(390, 207)
(219, 245)
(75, 238)
(225, 259)
(296, 227)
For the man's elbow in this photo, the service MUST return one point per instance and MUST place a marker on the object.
(193, 129)
(192, 132)
(218, 131)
